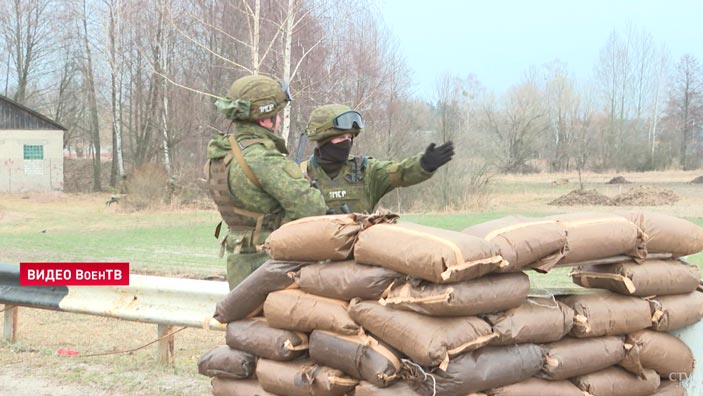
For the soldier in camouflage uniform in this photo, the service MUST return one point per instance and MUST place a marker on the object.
(357, 183)
(254, 185)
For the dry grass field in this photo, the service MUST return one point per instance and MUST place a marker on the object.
(179, 242)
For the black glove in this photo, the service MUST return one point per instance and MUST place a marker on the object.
(435, 157)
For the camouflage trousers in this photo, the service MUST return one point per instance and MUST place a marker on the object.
(242, 257)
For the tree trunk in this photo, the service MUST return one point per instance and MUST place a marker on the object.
(93, 105)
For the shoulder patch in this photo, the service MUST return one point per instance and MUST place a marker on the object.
(293, 170)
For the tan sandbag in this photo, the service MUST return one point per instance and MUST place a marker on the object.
(537, 320)
(225, 362)
(652, 277)
(397, 389)
(248, 297)
(320, 238)
(345, 280)
(615, 381)
(677, 311)
(427, 340)
(486, 368)
(491, 293)
(661, 352)
(593, 236)
(302, 378)
(258, 338)
(524, 241)
(433, 254)
(670, 388)
(228, 387)
(537, 387)
(360, 356)
(668, 234)
(607, 314)
(300, 311)
(572, 357)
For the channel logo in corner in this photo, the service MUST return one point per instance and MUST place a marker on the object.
(74, 274)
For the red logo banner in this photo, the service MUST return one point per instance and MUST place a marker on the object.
(74, 274)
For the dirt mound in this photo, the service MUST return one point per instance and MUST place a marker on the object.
(582, 197)
(619, 180)
(646, 196)
(698, 180)
(78, 175)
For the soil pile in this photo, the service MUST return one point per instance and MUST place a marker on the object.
(78, 175)
(582, 197)
(646, 196)
(619, 180)
(698, 180)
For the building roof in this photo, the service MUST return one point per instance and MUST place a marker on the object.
(14, 115)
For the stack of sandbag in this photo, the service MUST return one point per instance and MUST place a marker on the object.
(362, 305)
(270, 320)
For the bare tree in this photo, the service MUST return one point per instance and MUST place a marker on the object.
(687, 103)
(517, 124)
(26, 29)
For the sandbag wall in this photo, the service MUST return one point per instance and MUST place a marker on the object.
(359, 305)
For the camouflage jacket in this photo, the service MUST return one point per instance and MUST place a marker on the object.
(363, 181)
(284, 189)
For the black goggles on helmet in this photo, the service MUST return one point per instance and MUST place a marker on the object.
(286, 90)
(348, 120)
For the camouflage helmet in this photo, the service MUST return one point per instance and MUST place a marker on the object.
(321, 125)
(254, 98)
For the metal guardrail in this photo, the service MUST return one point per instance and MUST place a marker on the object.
(163, 301)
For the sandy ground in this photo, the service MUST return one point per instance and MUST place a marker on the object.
(16, 380)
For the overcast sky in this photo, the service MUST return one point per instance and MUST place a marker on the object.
(498, 40)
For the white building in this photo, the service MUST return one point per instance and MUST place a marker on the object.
(31, 149)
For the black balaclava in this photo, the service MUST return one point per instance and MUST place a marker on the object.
(332, 156)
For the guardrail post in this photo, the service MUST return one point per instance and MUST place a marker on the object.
(166, 344)
(9, 328)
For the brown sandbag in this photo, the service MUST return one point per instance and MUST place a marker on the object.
(615, 381)
(360, 356)
(607, 314)
(593, 236)
(258, 338)
(652, 277)
(524, 241)
(537, 386)
(302, 378)
(300, 311)
(491, 293)
(668, 234)
(661, 352)
(486, 368)
(670, 388)
(427, 340)
(397, 389)
(320, 238)
(537, 320)
(677, 311)
(248, 297)
(225, 362)
(432, 254)
(572, 357)
(228, 387)
(345, 280)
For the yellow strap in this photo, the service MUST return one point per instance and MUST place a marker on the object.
(394, 175)
(242, 162)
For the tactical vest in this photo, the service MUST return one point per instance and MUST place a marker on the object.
(236, 218)
(347, 188)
